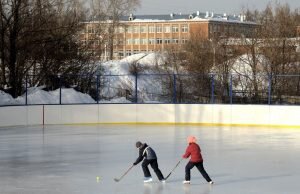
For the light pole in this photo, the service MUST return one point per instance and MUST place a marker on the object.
(105, 52)
(214, 51)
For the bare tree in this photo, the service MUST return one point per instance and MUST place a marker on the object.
(279, 43)
(109, 13)
(39, 37)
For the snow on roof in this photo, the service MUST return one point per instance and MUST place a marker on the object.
(198, 16)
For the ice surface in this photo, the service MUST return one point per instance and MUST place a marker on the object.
(67, 159)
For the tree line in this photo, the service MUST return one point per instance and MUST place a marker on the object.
(41, 38)
(269, 51)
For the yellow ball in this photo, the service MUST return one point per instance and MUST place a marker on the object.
(97, 178)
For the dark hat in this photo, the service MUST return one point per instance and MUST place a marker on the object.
(138, 144)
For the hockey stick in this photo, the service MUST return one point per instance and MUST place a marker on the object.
(173, 169)
(118, 179)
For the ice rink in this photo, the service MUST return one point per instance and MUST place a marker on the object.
(67, 159)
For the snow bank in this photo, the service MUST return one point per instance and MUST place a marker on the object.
(113, 85)
(6, 99)
(39, 96)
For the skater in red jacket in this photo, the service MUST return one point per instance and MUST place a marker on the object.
(194, 151)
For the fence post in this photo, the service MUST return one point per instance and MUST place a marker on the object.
(212, 100)
(26, 93)
(136, 88)
(59, 88)
(269, 89)
(174, 89)
(230, 89)
(97, 89)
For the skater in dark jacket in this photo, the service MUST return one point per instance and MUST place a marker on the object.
(194, 151)
(148, 156)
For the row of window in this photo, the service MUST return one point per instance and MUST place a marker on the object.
(142, 41)
(118, 54)
(145, 41)
(230, 29)
(154, 29)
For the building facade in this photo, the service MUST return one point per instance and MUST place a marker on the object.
(149, 33)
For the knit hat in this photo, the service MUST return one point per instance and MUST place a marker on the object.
(138, 144)
(191, 139)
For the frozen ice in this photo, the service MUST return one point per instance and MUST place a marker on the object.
(68, 159)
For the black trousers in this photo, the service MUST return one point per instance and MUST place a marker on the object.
(154, 165)
(199, 166)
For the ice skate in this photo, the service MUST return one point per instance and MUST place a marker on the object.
(147, 179)
(186, 182)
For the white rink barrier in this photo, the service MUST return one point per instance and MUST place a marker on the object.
(195, 114)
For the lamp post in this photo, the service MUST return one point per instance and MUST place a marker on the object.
(214, 51)
(105, 52)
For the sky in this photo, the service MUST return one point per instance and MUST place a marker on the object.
(216, 6)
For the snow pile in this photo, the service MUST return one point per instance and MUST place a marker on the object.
(120, 81)
(241, 70)
(125, 81)
(5, 98)
(69, 95)
(39, 96)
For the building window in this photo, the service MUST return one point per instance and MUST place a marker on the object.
(129, 41)
(136, 41)
(151, 29)
(143, 41)
(167, 29)
(159, 41)
(135, 29)
(184, 41)
(129, 29)
(159, 29)
(128, 52)
(175, 41)
(151, 41)
(167, 41)
(175, 28)
(143, 29)
(184, 28)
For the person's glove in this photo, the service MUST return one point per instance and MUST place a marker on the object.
(134, 164)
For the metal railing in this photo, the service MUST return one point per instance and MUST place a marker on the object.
(170, 89)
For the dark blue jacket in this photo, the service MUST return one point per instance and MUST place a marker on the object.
(145, 152)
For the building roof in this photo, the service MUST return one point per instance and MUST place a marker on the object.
(197, 16)
(208, 16)
(157, 17)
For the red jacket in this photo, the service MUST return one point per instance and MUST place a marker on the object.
(194, 151)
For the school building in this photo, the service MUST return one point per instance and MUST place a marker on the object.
(147, 33)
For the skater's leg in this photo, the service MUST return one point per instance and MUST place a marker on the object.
(146, 171)
(200, 167)
(188, 168)
(154, 165)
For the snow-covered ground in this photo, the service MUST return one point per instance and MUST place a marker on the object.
(37, 95)
(120, 78)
